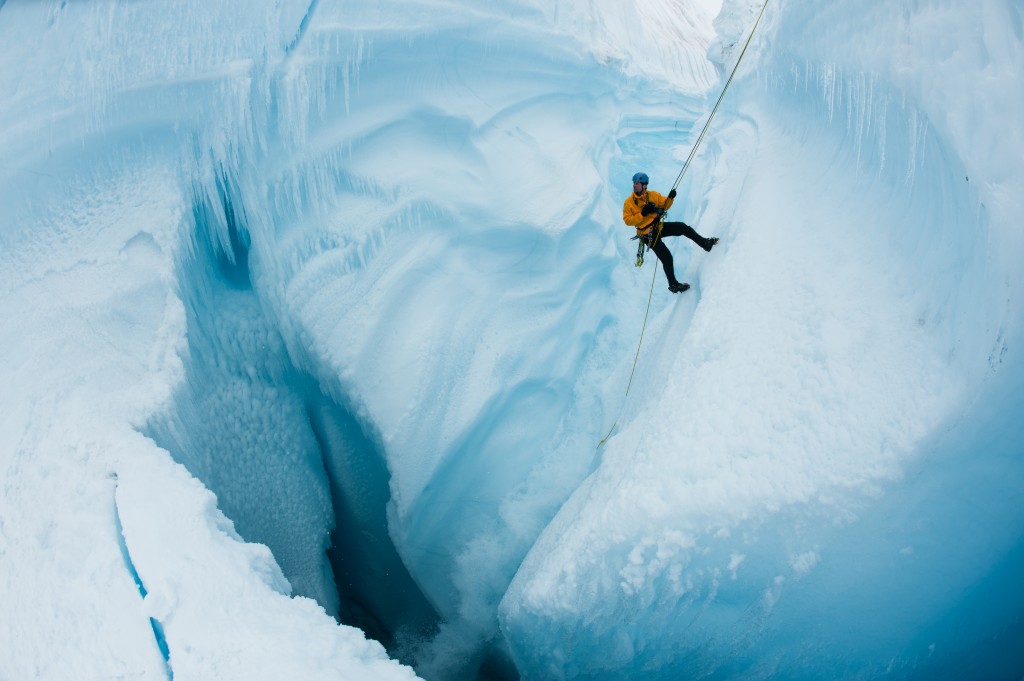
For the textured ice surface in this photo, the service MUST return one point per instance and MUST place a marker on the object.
(320, 309)
(823, 478)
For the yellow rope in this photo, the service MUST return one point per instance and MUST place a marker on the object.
(660, 220)
(636, 358)
(707, 125)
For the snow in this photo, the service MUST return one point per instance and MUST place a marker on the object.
(314, 315)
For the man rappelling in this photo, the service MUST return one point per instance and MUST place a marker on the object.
(644, 210)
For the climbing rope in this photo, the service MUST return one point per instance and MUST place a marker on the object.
(660, 220)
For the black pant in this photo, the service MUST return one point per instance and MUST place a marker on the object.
(665, 255)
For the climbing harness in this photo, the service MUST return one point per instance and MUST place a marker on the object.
(645, 241)
(659, 221)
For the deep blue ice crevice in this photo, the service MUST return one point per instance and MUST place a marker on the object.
(239, 422)
(158, 629)
(228, 246)
(291, 462)
(378, 594)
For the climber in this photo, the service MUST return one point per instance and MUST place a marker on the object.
(644, 210)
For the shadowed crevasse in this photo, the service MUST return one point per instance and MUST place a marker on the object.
(293, 467)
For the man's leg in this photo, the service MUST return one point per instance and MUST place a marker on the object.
(665, 256)
(683, 229)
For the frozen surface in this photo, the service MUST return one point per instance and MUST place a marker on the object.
(823, 474)
(317, 312)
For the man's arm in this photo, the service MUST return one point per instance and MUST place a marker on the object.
(664, 202)
(631, 214)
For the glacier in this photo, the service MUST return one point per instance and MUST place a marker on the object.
(315, 313)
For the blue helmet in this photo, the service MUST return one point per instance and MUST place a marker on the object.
(641, 178)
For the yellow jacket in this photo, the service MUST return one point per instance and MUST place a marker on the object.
(632, 216)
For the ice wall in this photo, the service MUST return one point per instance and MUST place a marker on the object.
(446, 255)
(123, 305)
(827, 482)
(338, 229)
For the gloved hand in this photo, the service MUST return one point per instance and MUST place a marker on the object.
(672, 194)
(649, 208)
